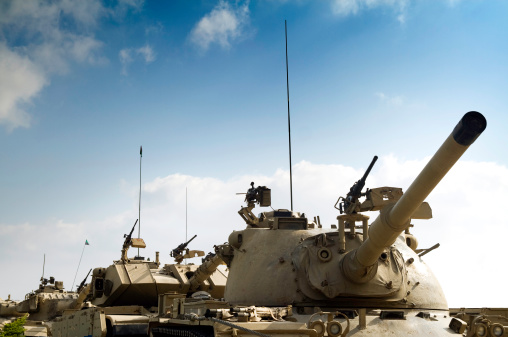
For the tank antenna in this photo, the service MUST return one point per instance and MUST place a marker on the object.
(185, 213)
(139, 208)
(289, 119)
(43, 265)
(186, 216)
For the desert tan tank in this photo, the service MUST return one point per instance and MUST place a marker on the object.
(122, 298)
(40, 306)
(289, 276)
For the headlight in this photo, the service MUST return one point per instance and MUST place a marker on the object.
(497, 330)
(333, 328)
(319, 326)
(480, 330)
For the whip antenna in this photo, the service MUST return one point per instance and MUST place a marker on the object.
(139, 209)
(43, 265)
(185, 214)
(289, 119)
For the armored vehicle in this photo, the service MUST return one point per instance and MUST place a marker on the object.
(122, 298)
(290, 276)
(375, 275)
(47, 302)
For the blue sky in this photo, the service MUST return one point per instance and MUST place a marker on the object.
(202, 86)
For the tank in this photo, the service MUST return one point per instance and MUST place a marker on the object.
(40, 306)
(121, 299)
(290, 276)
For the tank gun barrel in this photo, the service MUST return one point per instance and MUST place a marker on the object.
(82, 294)
(204, 271)
(393, 220)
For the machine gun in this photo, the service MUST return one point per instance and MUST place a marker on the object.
(349, 204)
(82, 284)
(130, 242)
(177, 253)
(260, 195)
(128, 237)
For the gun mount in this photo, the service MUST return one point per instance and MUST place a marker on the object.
(260, 195)
(131, 242)
(178, 252)
(350, 204)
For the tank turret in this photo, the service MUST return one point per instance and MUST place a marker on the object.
(138, 281)
(352, 266)
(45, 303)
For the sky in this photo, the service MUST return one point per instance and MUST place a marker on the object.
(201, 85)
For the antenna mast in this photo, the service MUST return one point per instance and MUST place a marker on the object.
(185, 214)
(43, 265)
(139, 209)
(289, 118)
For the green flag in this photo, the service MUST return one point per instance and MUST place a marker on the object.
(86, 243)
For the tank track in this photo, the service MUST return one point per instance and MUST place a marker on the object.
(179, 332)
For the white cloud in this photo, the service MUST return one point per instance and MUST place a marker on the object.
(21, 80)
(390, 100)
(128, 55)
(147, 53)
(156, 28)
(223, 25)
(33, 33)
(465, 223)
(353, 7)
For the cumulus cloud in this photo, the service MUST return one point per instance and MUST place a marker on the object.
(353, 7)
(21, 80)
(129, 55)
(38, 45)
(464, 223)
(223, 25)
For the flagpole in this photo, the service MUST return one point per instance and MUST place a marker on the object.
(78, 265)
